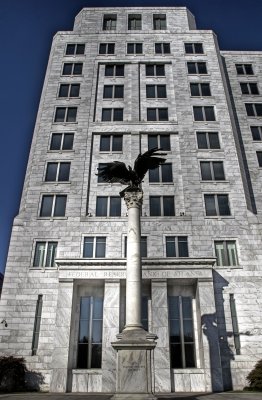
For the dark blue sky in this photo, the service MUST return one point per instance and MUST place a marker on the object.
(26, 31)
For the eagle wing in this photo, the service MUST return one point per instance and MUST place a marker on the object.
(147, 161)
(115, 171)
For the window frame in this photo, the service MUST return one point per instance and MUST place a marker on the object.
(76, 47)
(207, 135)
(227, 257)
(165, 48)
(253, 106)
(162, 206)
(212, 170)
(108, 206)
(194, 47)
(157, 20)
(259, 132)
(73, 66)
(175, 239)
(113, 91)
(115, 70)
(159, 145)
(46, 244)
(134, 46)
(94, 245)
(157, 114)
(58, 168)
(244, 68)
(204, 115)
(111, 143)
(66, 115)
(155, 69)
(259, 158)
(111, 18)
(69, 90)
(156, 89)
(132, 17)
(197, 64)
(107, 45)
(63, 134)
(216, 204)
(54, 200)
(112, 114)
(200, 86)
(249, 88)
(160, 171)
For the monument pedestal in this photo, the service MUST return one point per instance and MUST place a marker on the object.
(135, 365)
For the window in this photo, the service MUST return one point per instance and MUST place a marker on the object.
(111, 142)
(208, 140)
(155, 70)
(134, 22)
(69, 90)
(249, 88)
(194, 48)
(65, 114)
(212, 171)
(94, 247)
(160, 141)
(108, 206)
(254, 109)
(156, 91)
(157, 114)
(109, 23)
(90, 332)
(204, 113)
(114, 70)
(217, 204)
(159, 21)
(256, 132)
(162, 48)
(57, 172)
(62, 141)
(200, 89)
(112, 114)
(113, 91)
(194, 68)
(162, 174)
(244, 69)
(100, 179)
(72, 69)
(36, 331)
(161, 206)
(259, 158)
(134, 48)
(176, 246)
(226, 252)
(75, 49)
(107, 48)
(181, 332)
(45, 254)
(53, 205)
(143, 246)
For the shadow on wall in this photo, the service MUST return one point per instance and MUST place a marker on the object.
(34, 380)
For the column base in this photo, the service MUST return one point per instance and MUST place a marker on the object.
(134, 396)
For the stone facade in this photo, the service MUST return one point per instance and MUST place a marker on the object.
(224, 353)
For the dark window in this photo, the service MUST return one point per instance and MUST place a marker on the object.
(111, 142)
(200, 89)
(107, 48)
(176, 246)
(160, 141)
(156, 91)
(212, 171)
(249, 88)
(134, 48)
(161, 174)
(108, 206)
(62, 141)
(66, 90)
(113, 91)
(162, 48)
(259, 158)
(226, 252)
(181, 332)
(109, 22)
(134, 22)
(155, 70)
(204, 113)
(100, 179)
(114, 70)
(57, 171)
(45, 254)
(75, 49)
(161, 206)
(244, 69)
(194, 48)
(90, 332)
(65, 114)
(53, 206)
(112, 114)
(72, 69)
(143, 246)
(157, 114)
(159, 21)
(217, 204)
(94, 247)
(37, 324)
(254, 109)
(197, 68)
(256, 132)
(208, 140)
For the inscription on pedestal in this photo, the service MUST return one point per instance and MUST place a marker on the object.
(133, 371)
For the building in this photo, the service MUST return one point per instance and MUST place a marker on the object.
(125, 80)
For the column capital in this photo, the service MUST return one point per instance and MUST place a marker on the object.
(133, 199)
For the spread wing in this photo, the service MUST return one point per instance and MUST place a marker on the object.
(115, 172)
(147, 161)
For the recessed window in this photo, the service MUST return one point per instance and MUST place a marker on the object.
(108, 206)
(156, 91)
(100, 179)
(176, 246)
(204, 113)
(208, 140)
(259, 158)
(249, 88)
(254, 109)
(217, 204)
(160, 141)
(244, 69)
(111, 143)
(112, 114)
(69, 90)
(72, 69)
(45, 254)
(194, 48)
(157, 114)
(197, 68)
(114, 70)
(212, 170)
(256, 132)
(53, 205)
(65, 114)
(162, 174)
(226, 252)
(62, 141)
(161, 206)
(109, 22)
(57, 172)
(159, 21)
(75, 49)
(37, 324)
(94, 247)
(134, 48)
(155, 70)
(134, 22)
(143, 246)
(107, 48)
(200, 89)
(162, 48)
(113, 92)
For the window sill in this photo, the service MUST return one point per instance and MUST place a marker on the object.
(228, 267)
(188, 370)
(218, 217)
(190, 74)
(60, 151)
(91, 371)
(65, 123)
(72, 75)
(51, 218)
(110, 152)
(68, 98)
(214, 181)
(113, 99)
(161, 183)
(57, 182)
(210, 150)
(207, 122)
(74, 55)
(43, 269)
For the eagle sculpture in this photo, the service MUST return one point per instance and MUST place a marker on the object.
(117, 171)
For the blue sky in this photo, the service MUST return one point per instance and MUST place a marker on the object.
(26, 31)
